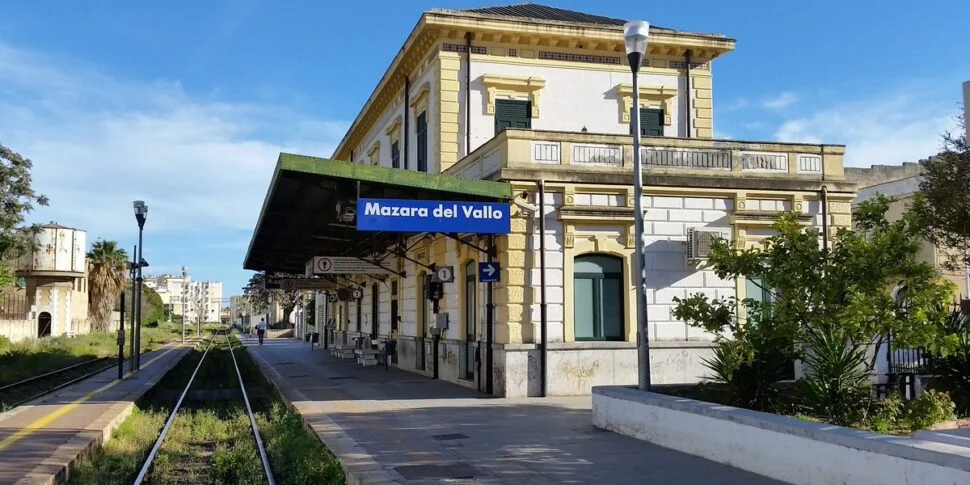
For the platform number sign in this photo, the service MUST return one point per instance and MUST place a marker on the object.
(444, 274)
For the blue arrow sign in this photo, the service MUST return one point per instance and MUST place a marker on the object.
(489, 272)
(398, 215)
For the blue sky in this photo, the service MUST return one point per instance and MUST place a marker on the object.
(187, 104)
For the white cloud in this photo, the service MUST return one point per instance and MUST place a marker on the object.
(739, 103)
(98, 143)
(783, 100)
(889, 128)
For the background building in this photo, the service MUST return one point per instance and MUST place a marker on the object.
(51, 293)
(194, 299)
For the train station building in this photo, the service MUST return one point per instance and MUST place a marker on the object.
(494, 160)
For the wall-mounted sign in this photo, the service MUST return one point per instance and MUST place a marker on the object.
(344, 265)
(489, 272)
(444, 274)
(433, 216)
(291, 284)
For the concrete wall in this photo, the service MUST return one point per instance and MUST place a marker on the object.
(877, 174)
(778, 447)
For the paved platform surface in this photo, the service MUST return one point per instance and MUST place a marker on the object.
(41, 439)
(399, 427)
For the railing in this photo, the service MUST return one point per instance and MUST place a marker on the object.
(516, 148)
(13, 307)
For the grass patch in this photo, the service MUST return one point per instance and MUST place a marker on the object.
(210, 440)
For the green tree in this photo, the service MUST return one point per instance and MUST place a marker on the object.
(848, 287)
(17, 199)
(941, 203)
(152, 309)
(107, 274)
(830, 305)
(259, 297)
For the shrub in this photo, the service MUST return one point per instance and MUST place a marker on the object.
(837, 388)
(953, 370)
(886, 414)
(931, 408)
(4, 345)
(751, 365)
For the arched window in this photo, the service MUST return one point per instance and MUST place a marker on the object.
(598, 297)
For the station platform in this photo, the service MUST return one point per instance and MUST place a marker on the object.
(393, 426)
(40, 440)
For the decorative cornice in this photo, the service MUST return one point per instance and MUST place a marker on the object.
(393, 127)
(420, 98)
(510, 86)
(662, 95)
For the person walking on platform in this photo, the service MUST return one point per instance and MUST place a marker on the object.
(261, 330)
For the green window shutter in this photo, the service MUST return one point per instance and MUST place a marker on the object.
(651, 122)
(422, 132)
(395, 155)
(511, 113)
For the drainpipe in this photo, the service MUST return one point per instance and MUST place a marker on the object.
(407, 116)
(825, 219)
(687, 114)
(436, 338)
(468, 95)
(489, 322)
(825, 204)
(544, 382)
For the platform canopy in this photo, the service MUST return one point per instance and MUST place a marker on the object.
(301, 215)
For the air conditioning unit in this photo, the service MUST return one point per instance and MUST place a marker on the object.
(700, 241)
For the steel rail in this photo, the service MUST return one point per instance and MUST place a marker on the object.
(63, 385)
(252, 418)
(53, 372)
(171, 418)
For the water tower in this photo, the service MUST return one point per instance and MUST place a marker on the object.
(53, 280)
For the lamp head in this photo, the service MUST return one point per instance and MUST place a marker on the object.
(141, 211)
(635, 34)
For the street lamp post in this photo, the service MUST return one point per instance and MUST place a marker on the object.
(141, 215)
(185, 274)
(635, 38)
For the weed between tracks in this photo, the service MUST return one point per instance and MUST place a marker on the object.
(210, 440)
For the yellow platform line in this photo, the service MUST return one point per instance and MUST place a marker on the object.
(64, 409)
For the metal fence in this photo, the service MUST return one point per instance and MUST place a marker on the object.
(13, 306)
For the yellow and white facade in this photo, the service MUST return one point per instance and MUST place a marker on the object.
(441, 103)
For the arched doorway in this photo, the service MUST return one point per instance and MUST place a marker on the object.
(44, 325)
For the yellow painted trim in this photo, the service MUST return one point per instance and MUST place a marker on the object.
(419, 100)
(512, 87)
(374, 152)
(393, 127)
(598, 245)
(66, 408)
(580, 66)
(660, 96)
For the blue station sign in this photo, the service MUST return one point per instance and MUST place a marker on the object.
(396, 215)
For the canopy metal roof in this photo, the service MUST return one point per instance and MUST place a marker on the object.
(299, 218)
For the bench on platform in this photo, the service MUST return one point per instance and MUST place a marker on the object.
(366, 357)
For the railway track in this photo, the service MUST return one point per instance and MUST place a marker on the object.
(24, 391)
(149, 461)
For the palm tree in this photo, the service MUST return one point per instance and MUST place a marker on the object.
(107, 265)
